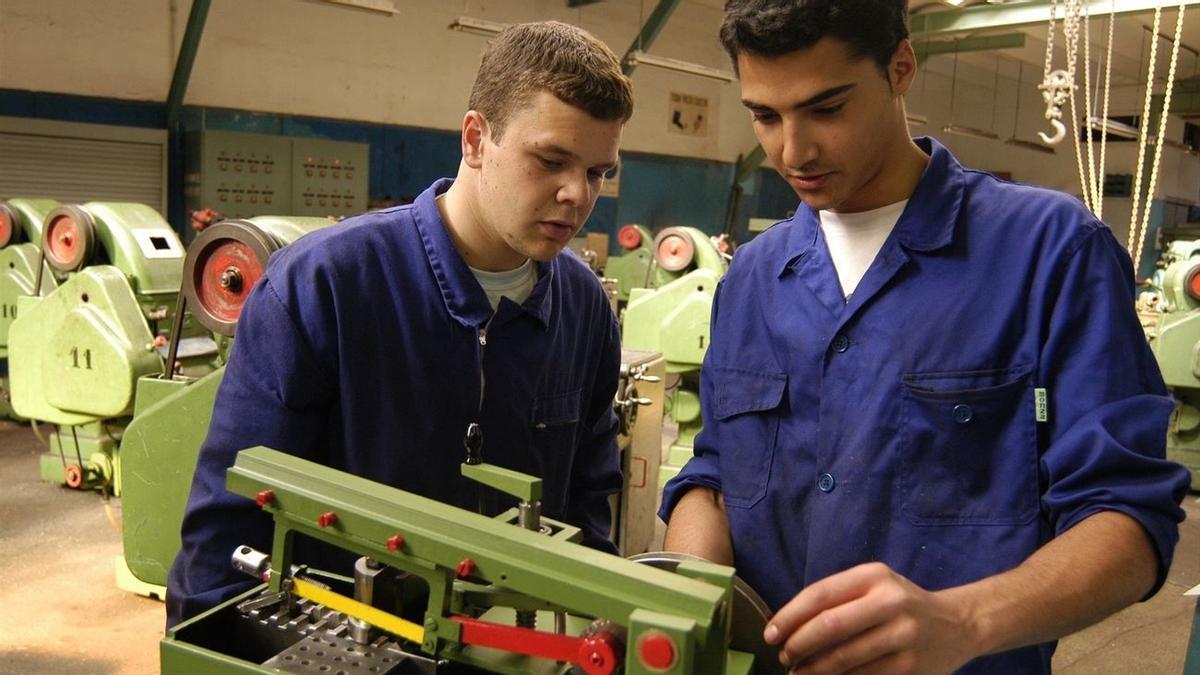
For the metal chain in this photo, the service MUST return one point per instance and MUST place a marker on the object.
(1162, 127)
(1050, 41)
(1099, 199)
(1088, 182)
(1137, 236)
(1071, 12)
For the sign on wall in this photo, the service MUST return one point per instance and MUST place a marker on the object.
(688, 114)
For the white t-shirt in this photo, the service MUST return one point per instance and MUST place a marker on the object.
(515, 284)
(854, 239)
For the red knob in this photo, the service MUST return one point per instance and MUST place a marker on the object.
(263, 498)
(326, 519)
(465, 568)
(598, 654)
(394, 542)
(657, 651)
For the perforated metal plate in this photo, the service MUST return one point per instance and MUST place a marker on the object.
(330, 655)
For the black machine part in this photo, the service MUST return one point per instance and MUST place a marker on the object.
(750, 613)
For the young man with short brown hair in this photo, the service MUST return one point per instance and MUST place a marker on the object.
(375, 345)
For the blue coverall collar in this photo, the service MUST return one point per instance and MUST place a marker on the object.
(938, 198)
(464, 297)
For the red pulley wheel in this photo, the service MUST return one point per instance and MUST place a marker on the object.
(8, 225)
(73, 475)
(629, 237)
(68, 237)
(224, 263)
(1193, 283)
(674, 249)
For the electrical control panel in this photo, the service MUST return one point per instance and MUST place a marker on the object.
(245, 175)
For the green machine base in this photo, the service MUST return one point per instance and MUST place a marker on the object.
(158, 458)
(84, 457)
(128, 581)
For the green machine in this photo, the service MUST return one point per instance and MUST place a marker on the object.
(673, 319)
(76, 353)
(633, 268)
(653, 261)
(20, 228)
(172, 412)
(1175, 340)
(443, 590)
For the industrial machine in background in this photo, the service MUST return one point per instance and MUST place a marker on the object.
(673, 320)
(439, 589)
(76, 353)
(1174, 334)
(20, 256)
(639, 408)
(172, 412)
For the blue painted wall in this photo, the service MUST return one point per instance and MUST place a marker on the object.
(657, 191)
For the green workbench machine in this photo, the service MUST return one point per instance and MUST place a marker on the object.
(172, 411)
(20, 230)
(76, 352)
(1175, 340)
(653, 261)
(441, 590)
(673, 319)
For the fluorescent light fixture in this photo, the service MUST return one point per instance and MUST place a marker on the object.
(466, 24)
(387, 7)
(1031, 145)
(638, 57)
(1113, 128)
(916, 119)
(970, 131)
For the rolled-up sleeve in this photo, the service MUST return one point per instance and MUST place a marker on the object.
(1108, 407)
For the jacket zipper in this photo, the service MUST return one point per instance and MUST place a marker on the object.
(474, 437)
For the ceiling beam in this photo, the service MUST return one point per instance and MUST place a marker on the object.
(186, 59)
(927, 48)
(1015, 15)
(654, 25)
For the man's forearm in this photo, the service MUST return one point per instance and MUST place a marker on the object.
(1101, 565)
(699, 526)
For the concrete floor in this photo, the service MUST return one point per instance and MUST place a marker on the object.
(60, 609)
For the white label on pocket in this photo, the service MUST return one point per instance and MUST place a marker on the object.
(1039, 404)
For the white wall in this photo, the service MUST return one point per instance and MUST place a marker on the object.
(308, 58)
(289, 56)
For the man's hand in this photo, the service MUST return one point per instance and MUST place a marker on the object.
(870, 619)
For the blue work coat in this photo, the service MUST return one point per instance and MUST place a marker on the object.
(903, 425)
(363, 348)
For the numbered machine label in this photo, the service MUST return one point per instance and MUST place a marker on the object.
(158, 244)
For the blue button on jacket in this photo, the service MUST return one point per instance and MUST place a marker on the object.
(983, 292)
(360, 349)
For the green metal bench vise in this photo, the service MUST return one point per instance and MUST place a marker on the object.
(472, 590)
(172, 413)
(20, 228)
(1175, 340)
(673, 319)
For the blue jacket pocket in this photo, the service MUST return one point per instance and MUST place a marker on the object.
(970, 448)
(746, 413)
